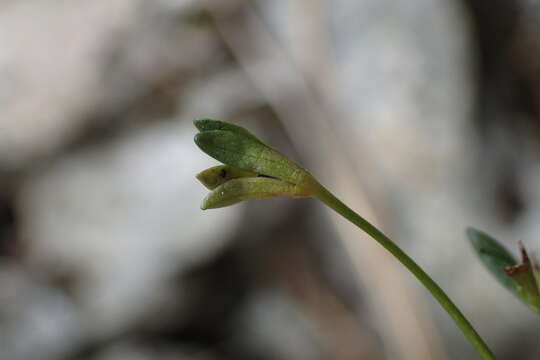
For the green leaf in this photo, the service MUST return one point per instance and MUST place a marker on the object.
(217, 175)
(242, 189)
(519, 278)
(494, 256)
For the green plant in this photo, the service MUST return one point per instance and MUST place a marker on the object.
(522, 279)
(254, 170)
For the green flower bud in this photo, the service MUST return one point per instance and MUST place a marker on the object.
(246, 157)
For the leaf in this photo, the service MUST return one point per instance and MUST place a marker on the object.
(519, 278)
(494, 256)
(217, 175)
(242, 189)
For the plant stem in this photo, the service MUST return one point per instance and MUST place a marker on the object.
(330, 200)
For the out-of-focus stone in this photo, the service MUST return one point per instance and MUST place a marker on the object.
(270, 324)
(127, 351)
(38, 322)
(64, 64)
(126, 216)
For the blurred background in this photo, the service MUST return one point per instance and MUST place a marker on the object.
(424, 116)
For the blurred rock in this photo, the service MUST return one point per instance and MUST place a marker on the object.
(37, 322)
(218, 95)
(66, 65)
(271, 327)
(125, 216)
(127, 351)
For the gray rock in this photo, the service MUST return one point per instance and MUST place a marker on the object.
(125, 216)
(63, 65)
(38, 322)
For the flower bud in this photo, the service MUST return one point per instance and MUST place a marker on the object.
(248, 159)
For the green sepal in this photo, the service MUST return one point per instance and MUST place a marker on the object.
(217, 175)
(244, 152)
(247, 188)
(209, 124)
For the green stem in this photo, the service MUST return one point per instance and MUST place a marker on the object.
(330, 200)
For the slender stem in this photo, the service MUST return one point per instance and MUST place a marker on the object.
(330, 200)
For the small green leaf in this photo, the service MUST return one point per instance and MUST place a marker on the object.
(217, 175)
(242, 189)
(494, 256)
(518, 278)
